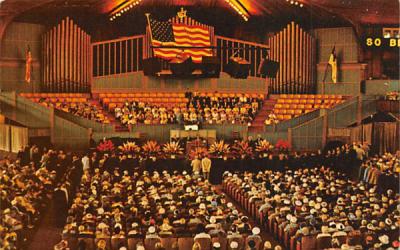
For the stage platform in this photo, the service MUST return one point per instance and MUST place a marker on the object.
(137, 82)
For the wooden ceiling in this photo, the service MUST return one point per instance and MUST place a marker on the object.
(316, 12)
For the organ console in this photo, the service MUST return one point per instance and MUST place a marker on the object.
(238, 67)
(182, 65)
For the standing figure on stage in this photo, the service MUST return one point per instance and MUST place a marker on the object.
(206, 167)
(196, 165)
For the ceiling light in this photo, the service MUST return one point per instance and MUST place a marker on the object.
(122, 8)
(239, 8)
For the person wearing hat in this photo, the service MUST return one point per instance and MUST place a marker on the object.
(151, 238)
(202, 238)
(235, 238)
(216, 246)
(254, 238)
(234, 245)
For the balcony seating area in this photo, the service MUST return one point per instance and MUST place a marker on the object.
(289, 106)
(78, 104)
(168, 100)
(57, 97)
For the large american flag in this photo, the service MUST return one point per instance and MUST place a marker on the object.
(179, 34)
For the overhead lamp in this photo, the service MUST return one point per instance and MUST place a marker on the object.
(295, 2)
(123, 8)
(239, 8)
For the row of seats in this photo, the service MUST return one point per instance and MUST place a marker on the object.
(54, 95)
(112, 105)
(178, 94)
(306, 96)
(141, 95)
(309, 101)
(290, 105)
(60, 100)
(169, 243)
(284, 117)
(290, 111)
(106, 101)
(302, 106)
(231, 95)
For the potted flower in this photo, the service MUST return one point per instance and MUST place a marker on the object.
(242, 149)
(172, 149)
(263, 147)
(151, 149)
(105, 146)
(200, 152)
(129, 147)
(219, 149)
(282, 145)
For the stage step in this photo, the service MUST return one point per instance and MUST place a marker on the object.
(117, 124)
(258, 123)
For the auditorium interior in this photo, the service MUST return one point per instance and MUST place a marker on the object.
(199, 124)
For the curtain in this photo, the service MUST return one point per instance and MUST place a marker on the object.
(356, 134)
(385, 137)
(19, 138)
(339, 132)
(4, 137)
(367, 133)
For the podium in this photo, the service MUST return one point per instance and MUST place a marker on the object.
(238, 68)
(209, 134)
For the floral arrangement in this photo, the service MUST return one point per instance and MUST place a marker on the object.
(242, 148)
(282, 145)
(393, 95)
(129, 147)
(105, 146)
(264, 146)
(172, 148)
(151, 148)
(219, 148)
(198, 151)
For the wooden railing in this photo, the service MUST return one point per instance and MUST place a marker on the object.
(252, 52)
(118, 56)
(292, 47)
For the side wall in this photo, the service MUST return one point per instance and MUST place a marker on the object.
(16, 39)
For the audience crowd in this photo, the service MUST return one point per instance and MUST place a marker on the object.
(199, 110)
(271, 119)
(132, 113)
(116, 210)
(81, 109)
(108, 201)
(319, 208)
(382, 171)
(238, 109)
(24, 191)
